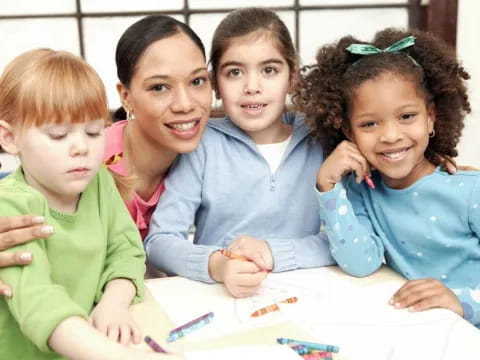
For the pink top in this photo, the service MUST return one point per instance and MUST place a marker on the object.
(140, 210)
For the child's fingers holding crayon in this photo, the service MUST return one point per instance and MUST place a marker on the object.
(254, 249)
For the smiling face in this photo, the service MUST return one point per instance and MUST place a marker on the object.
(390, 123)
(253, 80)
(170, 94)
(60, 160)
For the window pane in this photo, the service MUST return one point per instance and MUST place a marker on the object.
(130, 5)
(58, 34)
(17, 7)
(350, 2)
(233, 4)
(331, 25)
(204, 25)
(101, 37)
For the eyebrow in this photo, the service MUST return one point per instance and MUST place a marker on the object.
(264, 62)
(400, 108)
(165, 77)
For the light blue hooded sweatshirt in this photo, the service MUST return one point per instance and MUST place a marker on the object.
(226, 188)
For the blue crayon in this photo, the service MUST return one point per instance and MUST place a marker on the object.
(310, 345)
(300, 349)
(183, 330)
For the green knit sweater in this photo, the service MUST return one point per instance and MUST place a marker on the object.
(70, 269)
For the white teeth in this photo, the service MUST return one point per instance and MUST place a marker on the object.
(183, 126)
(394, 155)
(253, 106)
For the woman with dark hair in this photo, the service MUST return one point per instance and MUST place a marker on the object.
(166, 101)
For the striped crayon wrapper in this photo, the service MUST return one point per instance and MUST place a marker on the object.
(317, 355)
(300, 349)
(273, 307)
(311, 345)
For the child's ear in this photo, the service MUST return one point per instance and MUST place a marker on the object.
(431, 117)
(7, 138)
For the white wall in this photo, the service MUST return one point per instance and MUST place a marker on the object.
(468, 49)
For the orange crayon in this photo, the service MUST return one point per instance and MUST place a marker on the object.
(273, 307)
(231, 255)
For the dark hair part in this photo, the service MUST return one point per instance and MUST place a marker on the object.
(246, 21)
(326, 89)
(138, 37)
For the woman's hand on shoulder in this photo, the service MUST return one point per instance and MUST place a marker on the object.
(15, 230)
(345, 158)
(423, 294)
(449, 165)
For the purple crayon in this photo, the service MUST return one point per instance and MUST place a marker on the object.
(154, 345)
(185, 329)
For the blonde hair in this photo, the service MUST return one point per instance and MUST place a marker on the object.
(46, 86)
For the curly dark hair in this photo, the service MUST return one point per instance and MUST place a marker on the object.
(326, 88)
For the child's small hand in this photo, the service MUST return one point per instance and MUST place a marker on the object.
(345, 158)
(255, 249)
(115, 321)
(242, 278)
(418, 295)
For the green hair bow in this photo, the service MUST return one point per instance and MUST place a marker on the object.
(367, 49)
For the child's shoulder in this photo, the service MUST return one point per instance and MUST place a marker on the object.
(17, 197)
(221, 128)
(461, 180)
(467, 175)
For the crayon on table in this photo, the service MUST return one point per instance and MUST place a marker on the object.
(273, 307)
(187, 328)
(300, 349)
(311, 345)
(318, 355)
(154, 345)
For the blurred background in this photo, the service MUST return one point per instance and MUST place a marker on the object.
(91, 28)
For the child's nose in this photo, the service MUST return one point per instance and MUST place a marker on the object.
(391, 133)
(79, 146)
(252, 84)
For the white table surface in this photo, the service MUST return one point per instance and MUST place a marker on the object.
(332, 308)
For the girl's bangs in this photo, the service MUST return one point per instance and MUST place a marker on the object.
(63, 90)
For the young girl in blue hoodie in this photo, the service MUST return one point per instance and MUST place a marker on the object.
(249, 186)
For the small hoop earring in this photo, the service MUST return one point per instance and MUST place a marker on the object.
(431, 134)
(130, 115)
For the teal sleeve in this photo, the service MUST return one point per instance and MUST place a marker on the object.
(125, 254)
(38, 305)
(354, 244)
(470, 300)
